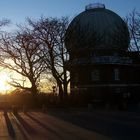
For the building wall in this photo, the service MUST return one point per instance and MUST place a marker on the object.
(105, 85)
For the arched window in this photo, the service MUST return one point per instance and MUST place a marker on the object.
(116, 74)
(95, 75)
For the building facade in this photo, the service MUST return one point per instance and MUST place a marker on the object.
(101, 67)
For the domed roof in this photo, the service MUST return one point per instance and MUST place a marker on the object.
(98, 28)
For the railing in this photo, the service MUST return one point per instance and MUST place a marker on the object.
(94, 5)
(111, 60)
(103, 60)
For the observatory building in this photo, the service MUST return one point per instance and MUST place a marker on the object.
(100, 65)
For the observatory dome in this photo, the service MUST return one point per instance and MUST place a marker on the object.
(97, 28)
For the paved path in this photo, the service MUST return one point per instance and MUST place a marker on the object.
(118, 125)
(42, 126)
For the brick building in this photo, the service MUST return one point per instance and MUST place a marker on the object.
(100, 64)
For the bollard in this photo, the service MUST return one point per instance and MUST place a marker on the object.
(24, 109)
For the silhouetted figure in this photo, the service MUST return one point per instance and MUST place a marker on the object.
(14, 109)
(43, 108)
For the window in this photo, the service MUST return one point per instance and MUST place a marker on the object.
(116, 74)
(95, 75)
(76, 77)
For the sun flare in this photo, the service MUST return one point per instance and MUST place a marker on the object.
(4, 86)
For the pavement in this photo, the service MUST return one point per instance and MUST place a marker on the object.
(35, 125)
(70, 124)
(117, 125)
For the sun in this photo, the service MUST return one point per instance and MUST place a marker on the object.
(4, 87)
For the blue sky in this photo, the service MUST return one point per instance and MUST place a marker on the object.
(18, 10)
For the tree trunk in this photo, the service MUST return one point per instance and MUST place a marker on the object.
(34, 95)
(61, 92)
(65, 89)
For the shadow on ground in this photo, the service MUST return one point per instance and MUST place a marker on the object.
(117, 125)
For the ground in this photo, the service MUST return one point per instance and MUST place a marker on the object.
(70, 124)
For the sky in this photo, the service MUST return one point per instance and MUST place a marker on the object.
(18, 10)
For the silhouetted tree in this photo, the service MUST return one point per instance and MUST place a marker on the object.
(51, 32)
(4, 22)
(133, 21)
(20, 52)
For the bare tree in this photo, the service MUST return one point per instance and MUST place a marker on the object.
(51, 32)
(133, 21)
(4, 22)
(20, 53)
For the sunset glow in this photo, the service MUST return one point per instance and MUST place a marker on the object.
(4, 86)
